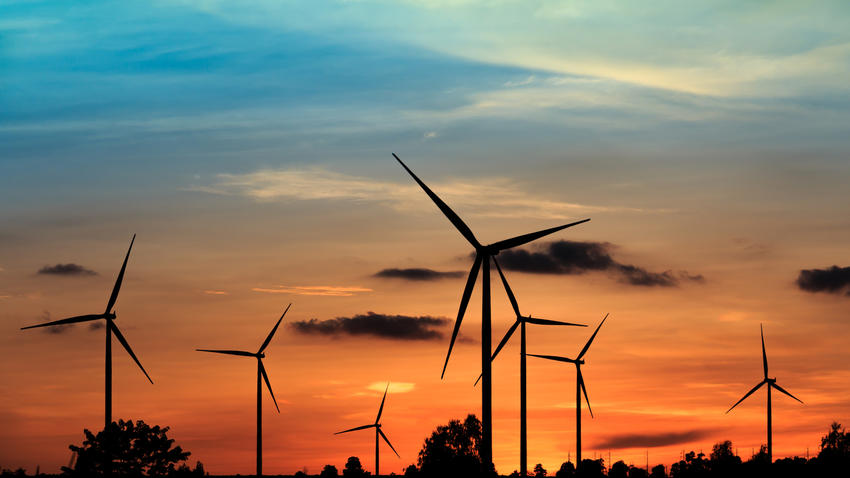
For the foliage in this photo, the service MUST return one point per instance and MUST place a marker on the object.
(658, 471)
(411, 470)
(128, 449)
(329, 471)
(539, 471)
(619, 470)
(567, 470)
(835, 445)
(353, 468)
(453, 449)
(591, 468)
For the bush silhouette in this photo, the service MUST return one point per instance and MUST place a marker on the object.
(453, 449)
(353, 468)
(128, 449)
(329, 471)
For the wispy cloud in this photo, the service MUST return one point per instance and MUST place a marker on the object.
(650, 440)
(400, 327)
(492, 197)
(395, 387)
(418, 274)
(216, 292)
(326, 290)
(66, 270)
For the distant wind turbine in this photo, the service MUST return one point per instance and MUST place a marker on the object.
(482, 260)
(579, 385)
(261, 376)
(111, 328)
(378, 432)
(771, 383)
(521, 320)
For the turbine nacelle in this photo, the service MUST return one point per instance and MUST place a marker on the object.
(110, 316)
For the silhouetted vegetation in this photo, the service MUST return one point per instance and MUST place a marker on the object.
(130, 449)
(453, 449)
(353, 468)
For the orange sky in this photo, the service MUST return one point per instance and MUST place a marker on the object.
(249, 147)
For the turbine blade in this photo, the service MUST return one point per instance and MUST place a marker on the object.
(526, 238)
(119, 279)
(508, 290)
(381, 410)
(123, 341)
(587, 345)
(268, 385)
(501, 344)
(229, 352)
(356, 428)
(584, 389)
(785, 392)
(538, 321)
(69, 320)
(553, 357)
(763, 352)
(380, 432)
(447, 211)
(464, 301)
(271, 334)
(747, 395)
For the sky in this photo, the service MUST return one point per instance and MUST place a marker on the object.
(248, 145)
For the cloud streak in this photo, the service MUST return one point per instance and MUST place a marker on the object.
(68, 270)
(574, 257)
(396, 327)
(625, 441)
(489, 197)
(418, 274)
(832, 280)
(325, 290)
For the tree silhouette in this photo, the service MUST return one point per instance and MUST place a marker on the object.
(329, 471)
(591, 468)
(619, 470)
(567, 470)
(353, 468)
(132, 449)
(539, 471)
(453, 449)
(722, 460)
(658, 471)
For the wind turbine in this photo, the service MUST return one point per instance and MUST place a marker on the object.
(482, 261)
(111, 328)
(771, 383)
(378, 432)
(579, 385)
(261, 376)
(521, 320)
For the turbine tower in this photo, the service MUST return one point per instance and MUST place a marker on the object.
(111, 328)
(771, 383)
(483, 253)
(579, 385)
(378, 432)
(261, 376)
(521, 320)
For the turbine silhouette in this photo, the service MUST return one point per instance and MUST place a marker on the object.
(378, 432)
(521, 320)
(261, 377)
(579, 385)
(771, 383)
(483, 253)
(111, 328)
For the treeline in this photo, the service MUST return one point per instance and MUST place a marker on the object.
(134, 449)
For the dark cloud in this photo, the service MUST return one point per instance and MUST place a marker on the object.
(650, 440)
(399, 327)
(572, 257)
(54, 330)
(418, 274)
(67, 270)
(833, 280)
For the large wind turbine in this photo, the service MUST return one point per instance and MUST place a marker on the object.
(579, 385)
(261, 376)
(771, 383)
(482, 261)
(521, 320)
(111, 328)
(378, 432)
